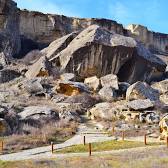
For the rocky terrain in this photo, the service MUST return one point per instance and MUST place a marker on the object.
(55, 69)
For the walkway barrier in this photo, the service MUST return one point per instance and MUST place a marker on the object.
(1, 146)
(90, 149)
(52, 147)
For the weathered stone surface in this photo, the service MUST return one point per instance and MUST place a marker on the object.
(141, 90)
(33, 86)
(69, 107)
(7, 75)
(96, 51)
(58, 45)
(156, 42)
(46, 28)
(70, 88)
(150, 117)
(110, 81)
(37, 112)
(107, 111)
(86, 100)
(108, 93)
(162, 86)
(68, 77)
(93, 83)
(9, 28)
(140, 104)
(70, 116)
(41, 68)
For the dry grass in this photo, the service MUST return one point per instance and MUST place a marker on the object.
(55, 132)
(105, 146)
(153, 158)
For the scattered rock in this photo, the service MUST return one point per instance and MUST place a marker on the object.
(110, 81)
(70, 107)
(108, 93)
(140, 104)
(86, 100)
(70, 116)
(33, 86)
(93, 83)
(106, 111)
(141, 90)
(149, 117)
(37, 113)
(72, 88)
(68, 77)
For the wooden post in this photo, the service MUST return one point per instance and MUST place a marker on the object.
(84, 140)
(113, 130)
(145, 139)
(52, 147)
(2, 146)
(123, 135)
(167, 141)
(90, 149)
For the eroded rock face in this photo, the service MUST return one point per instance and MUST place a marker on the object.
(96, 51)
(9, 28)
(156, 42)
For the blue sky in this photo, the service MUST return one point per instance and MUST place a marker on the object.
(151, 13)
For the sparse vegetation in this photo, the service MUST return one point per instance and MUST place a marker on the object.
(105, 146)
(55, 132)
(147, 158)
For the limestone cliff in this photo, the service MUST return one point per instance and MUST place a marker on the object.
(9, 28)
(156, 42)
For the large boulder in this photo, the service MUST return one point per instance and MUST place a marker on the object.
(110, 81)
(107, 93)
(70, 88)
(93, 82)
(162, 87)
(140, 104)
(107, 111)
(37, 113)
(163, 124)
(141, 90)
(86, 100)
(70, 116)
(33, 86)
(96, 51)
(69, 107)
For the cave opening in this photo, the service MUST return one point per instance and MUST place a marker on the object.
(125, 71)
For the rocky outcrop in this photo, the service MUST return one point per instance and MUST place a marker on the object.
(155, 42)
(96, 51)
(9, 28)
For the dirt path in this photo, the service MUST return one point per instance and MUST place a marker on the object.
(88, 129)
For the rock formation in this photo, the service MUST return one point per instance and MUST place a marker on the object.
(155, 42)
(96, 51)
(9, 28)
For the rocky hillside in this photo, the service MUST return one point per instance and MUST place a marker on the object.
(73, 66)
